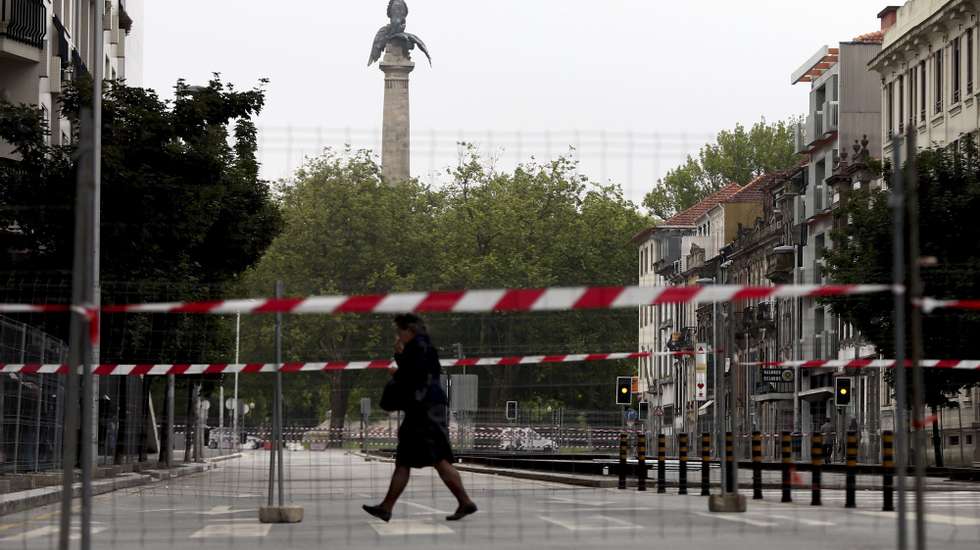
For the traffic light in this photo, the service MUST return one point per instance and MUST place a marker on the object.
(511, 412)
(644, 410)
(842, 392)
(624, 390)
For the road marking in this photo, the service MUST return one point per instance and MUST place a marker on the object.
(232, 530)
(51, 531)
(575, 510)
(590, 523)
(810, 522)
(737, 519)
(426, 508)
(581, 502)
(958, 521)
(409, 527)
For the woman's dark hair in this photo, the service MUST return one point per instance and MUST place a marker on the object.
(412, 322)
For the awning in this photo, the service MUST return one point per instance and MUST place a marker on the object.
(703, 409)
(817, 394)
(772, 397)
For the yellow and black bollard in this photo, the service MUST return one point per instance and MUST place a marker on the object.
(623, 449)
(683, 441)
(888, 467)
(705, 464)
(756, 465)
(787, 467)
(661, 463)
(816, 462)
(851, 479)
(641, 461)
(729, 462)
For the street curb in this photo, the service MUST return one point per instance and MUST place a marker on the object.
(11, 503)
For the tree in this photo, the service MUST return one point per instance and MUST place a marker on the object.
(949, 197)
(183, 211)
(737, 156)
(543, 224)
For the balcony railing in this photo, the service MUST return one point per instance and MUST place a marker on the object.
(23, 21)
(831, 116)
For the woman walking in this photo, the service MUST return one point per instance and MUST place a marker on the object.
(423, 437)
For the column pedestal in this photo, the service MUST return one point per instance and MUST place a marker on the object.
(395, 139)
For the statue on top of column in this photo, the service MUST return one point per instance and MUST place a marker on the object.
(395, 30)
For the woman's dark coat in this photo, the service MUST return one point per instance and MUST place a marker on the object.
(423, 437)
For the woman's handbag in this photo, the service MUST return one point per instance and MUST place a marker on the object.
(398, 396)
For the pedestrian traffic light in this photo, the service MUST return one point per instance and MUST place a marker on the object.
(511, 412)
(644, 410)
(842, 392)
(624, 390)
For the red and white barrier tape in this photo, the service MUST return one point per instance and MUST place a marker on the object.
(931, 304)
(481, 301)
(870, 364)
(381, 364)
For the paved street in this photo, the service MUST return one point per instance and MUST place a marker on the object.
(218, 510)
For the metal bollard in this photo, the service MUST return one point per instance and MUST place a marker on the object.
(816, 461)
(729, 462)
(623, 442)
(787, 467)
(641, 461)
(682, 463)
(756, 465)
(888, 465)
(661, 463)
(705, 464)
(851, 479)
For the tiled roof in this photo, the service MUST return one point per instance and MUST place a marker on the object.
(754, 191)
(875, 37)
(690, 216)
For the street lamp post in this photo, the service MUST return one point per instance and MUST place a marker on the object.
(725, 501)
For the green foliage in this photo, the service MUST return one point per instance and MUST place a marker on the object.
(183, 209)
(949, 197)
(542, 225)
(737, 155)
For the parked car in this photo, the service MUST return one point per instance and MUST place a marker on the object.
(251, 443)
(525, 439)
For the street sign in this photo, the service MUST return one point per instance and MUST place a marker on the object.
(659, 411)
(701, 372)
(230, 403)
(635, 384)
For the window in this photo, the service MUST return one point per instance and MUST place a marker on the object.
(922, 91)
(890, 107)
(954, 440)
(901, 104)
(937, 64)
(969, 61)
(912, 88)
(956, 69)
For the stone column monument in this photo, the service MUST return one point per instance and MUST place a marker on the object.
(397, 45)
(395, 133)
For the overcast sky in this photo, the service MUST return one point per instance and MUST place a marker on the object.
(633, 83)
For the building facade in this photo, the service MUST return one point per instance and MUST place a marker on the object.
(46, 43)
(928, 83)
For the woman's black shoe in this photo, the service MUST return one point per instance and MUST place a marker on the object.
(378, 512)
(462, 512)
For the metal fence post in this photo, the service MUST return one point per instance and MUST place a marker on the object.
(888, 470)
(816, 462)
(705, 464)
(661, 463)
(682, 463)
(641, 461)
(787, 466)
(756, 465)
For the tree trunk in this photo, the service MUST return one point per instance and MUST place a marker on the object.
(189, 423)
(144, 417)
(121, 452)
(937, 440)
(339, 397)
